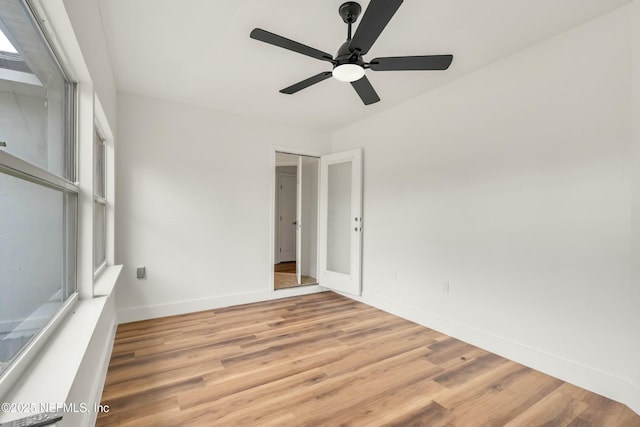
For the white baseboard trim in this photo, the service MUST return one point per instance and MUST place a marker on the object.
(597, 381)
(135, 314)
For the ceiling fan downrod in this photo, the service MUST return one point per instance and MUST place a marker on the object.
(349, 13)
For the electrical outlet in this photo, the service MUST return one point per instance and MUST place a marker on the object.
(141, 272)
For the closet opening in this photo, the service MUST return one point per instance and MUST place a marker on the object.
(296, 220)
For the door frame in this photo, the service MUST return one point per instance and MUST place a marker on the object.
(299, 290)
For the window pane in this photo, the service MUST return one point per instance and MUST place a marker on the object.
(339, 218)
(99, 234)
(34, 251)
(33, 95)
(99, 167)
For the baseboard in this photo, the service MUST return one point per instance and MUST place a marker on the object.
(135, 314)
(597, 381)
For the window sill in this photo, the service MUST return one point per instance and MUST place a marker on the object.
(104, 284)
(50, 376)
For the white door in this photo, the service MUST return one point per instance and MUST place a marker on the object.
(340, 239)
(299, 223)
(287, 217)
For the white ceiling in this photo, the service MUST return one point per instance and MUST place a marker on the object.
(199, 51)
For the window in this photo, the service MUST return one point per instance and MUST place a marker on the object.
(5, 44)
(99, 202)
(38, 197)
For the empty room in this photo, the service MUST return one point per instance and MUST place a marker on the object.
(320, 213)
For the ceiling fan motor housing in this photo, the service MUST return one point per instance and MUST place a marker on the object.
(346, 56)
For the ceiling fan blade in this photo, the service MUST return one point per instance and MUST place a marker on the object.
(306, 83)
(400, 63)
(366, 92)
(276, 40)
(375, 18)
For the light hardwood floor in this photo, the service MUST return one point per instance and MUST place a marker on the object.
(326, 360)
(284, 276)
(285, 267)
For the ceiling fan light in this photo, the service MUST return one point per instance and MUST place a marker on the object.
(348, 72)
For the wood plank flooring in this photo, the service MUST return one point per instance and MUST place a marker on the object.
(285, 267)
(288, 280)
(284, 276)
(326, 360)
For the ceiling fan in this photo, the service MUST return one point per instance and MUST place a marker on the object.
(349, 65)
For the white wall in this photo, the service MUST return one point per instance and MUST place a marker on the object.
(195, 205)
(87, 24)
(513, 185)
(634, 294)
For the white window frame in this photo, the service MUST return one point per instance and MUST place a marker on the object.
(24, 170)
(82, 316)
(100, 200)
(102, 128)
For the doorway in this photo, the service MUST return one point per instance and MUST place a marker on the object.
(286, 212)
(328, 222)
(296, 220)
